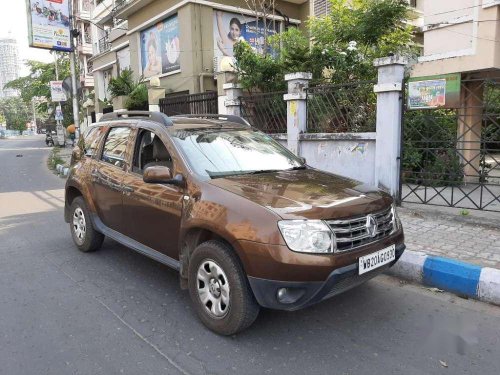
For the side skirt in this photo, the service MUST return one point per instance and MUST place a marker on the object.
(134, 245)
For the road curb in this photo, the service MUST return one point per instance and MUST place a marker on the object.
(461, 278)
(62, 170)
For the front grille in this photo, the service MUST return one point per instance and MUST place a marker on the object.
(352, 233)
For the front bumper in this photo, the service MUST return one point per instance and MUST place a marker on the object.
(308, 293)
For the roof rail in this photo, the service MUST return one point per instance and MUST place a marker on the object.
(153, 116)
(232, 118)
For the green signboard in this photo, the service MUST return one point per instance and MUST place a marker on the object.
(441, 91)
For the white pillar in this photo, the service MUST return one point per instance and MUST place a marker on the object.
(389, 106)
(233, 92)
(296, 108)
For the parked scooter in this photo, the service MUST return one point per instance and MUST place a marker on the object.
(48, 139)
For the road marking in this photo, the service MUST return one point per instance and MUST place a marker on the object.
(24, 149)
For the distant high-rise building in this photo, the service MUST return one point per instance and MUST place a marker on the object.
(9, 65)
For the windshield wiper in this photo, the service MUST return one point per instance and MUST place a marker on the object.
(263, 171)
(296, 168)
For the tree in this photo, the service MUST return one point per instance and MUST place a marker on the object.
(37, 84)
(337, 48)
(15, 112)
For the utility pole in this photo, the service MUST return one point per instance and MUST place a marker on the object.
(72, 56)
(61, 140)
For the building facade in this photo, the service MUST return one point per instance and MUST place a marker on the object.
(460, 36)
(9, 65)
(82, 11)
(185, 44)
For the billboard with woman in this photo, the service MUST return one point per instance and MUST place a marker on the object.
(229, 28)
(160, 48)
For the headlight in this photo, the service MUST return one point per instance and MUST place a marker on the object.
(307, 236)
(396, 223)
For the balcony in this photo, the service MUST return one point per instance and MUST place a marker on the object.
(86, 76)
(104, 45)
(84, 43)
(83, 9)
(102, 13)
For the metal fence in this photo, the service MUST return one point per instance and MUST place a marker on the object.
(265, 111)
(343, 108)
(190, 104)
(451, 157)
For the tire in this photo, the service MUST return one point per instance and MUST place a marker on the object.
(235, 307)
(88, 239)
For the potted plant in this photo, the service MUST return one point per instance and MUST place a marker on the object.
(121, 87)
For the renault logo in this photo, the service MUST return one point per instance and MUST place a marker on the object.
(371, 226)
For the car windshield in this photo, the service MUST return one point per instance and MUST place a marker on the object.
(218, 153)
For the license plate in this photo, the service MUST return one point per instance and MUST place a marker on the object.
(378, 259)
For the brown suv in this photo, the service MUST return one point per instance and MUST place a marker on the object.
(244, 221)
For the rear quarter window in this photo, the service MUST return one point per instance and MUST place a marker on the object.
(89, 143)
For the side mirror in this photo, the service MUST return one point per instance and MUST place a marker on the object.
(162, 175)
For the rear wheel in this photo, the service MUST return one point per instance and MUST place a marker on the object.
(219, 289)
(84, 235)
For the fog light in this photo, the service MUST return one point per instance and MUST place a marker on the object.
(289, 295)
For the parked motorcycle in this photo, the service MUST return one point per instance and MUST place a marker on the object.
(49, 141)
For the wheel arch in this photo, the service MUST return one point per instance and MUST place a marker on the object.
(195, 236)
(70, 194)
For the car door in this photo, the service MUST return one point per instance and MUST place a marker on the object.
(152, 211)
(107, 174)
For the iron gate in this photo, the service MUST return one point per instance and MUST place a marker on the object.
(451, 157)
(190, 104)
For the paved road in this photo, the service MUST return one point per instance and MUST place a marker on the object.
(114, 311)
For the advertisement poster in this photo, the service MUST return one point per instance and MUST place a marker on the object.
(434, 92)
(230, 28)
(56, 91)
(160, 48)
(48, 24)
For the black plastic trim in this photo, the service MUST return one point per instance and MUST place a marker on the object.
(134, 245)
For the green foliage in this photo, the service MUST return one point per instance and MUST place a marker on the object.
(54, 158)
(257, 72)
(430, 157)
(337, 48)
(122, 85)
(37, 85)
(138, 98)
(15, 112)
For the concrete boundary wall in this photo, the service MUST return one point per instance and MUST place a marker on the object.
(347, 154)
(372, 158)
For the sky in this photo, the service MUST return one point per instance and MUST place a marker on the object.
(13, 19)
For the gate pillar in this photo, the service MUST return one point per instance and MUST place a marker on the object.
(296, 108)
(389, 89)
(232, 102)
(470, 118)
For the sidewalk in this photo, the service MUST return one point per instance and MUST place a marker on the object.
(450, 251)
(471, 240)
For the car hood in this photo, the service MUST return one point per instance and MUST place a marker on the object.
(307, 194)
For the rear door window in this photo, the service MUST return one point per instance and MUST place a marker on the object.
(115, 146)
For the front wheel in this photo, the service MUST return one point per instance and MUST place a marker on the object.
(219, 289)
(84, 235)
